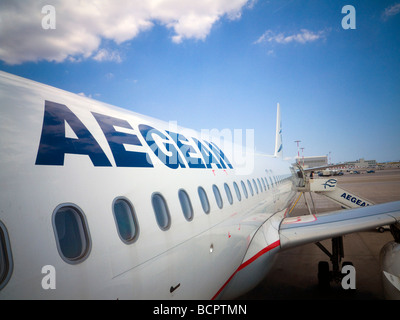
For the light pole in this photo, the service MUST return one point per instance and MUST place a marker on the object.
(298, 152)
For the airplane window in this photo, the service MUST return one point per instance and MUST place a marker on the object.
(262, 180)
(217, 195)
(204, 200)
(255, 185)
(161, 211)
(125, 220)
(186, 205)
(259, 185)
(244, 189)
(72, 233)
(272, 184)
(250, 187)
(239, 196)
(5, 257)
(266, 181)
(228, 193)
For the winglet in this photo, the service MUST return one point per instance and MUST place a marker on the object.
(278, 136)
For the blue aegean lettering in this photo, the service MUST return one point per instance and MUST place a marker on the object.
(125, 142)
(353, 199)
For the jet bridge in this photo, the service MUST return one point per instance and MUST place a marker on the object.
(330, 189)
(347, 200)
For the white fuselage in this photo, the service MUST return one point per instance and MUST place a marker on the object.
(219, 254)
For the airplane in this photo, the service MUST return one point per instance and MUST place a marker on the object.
(98, 202)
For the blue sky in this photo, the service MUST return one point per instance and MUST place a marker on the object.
(225, 64)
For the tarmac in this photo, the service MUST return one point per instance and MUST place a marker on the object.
(294, 273)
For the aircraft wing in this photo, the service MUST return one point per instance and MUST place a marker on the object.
(295, 231)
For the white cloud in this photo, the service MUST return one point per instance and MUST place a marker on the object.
(302, 37)
(106, 55)
(82, 25)
(391, 11)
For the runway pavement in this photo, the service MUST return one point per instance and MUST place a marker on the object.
(294, 274)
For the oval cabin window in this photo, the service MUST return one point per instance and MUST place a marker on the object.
(204, 200)
(161, 211)
(238, 194)
(125, 220)
(217, 195)
(6, 264)
(72, 234)
(186, 205)
(228, 193)
(244, 189)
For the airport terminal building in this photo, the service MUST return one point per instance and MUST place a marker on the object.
(321, 161)
(361, 163)
(311, 162)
